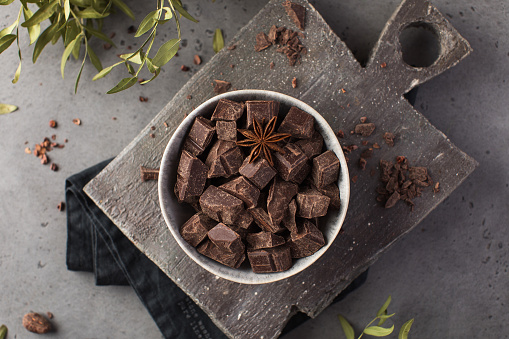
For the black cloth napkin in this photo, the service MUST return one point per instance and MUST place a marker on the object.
(95, 244)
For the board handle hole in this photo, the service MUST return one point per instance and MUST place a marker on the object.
(420, 44)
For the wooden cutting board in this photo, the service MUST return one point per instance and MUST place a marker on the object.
(336, 85)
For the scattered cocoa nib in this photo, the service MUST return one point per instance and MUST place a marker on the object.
(354, 178)
(61, 208)
(365, 129)
(363, 120)
(340, 134)
(189, 97)
(36, 323)
(389, 138)
(349, 148)
(296, 12)
(153, 128)
(184, 68)
(231, 47)
(232, 66)
(287, 41)
(131, 29)
(364, 142)
(197, 59)
(376, 146)
(221, 86)
(112, 35)
(272, 65)
(53, 167)
(54, 137)
(165, 124)
(149, 173)
(383, 65)
(143, 99)
(107, 46)
(52, 124)
(27, 150)
(402, 182)
(76, 121)
(362, 163)
(44, 159)
(294, 82)
(152, 135)
(49, 314)
(366, 154)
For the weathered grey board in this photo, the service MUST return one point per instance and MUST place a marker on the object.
(375, 92)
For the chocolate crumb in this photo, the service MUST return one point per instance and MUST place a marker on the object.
(54, 167)
(362, 163)
(165, 124)
(131, 29)
(296, 12)
(107, 46)
(52, 124)
(272, 65)
(61, 208)
(364, 142)
(143, 99)
(363, 120)
(389, 138)
(340, 134)
(152, 128)
(383, 65)
(27, 150)
(149, 173)
(113, 118)
(189, 97)
(49, 314)
(54, 137)
(365, 129)
(294, 82)
(221, 86)
(152, 135)
(197, 59)
(231, 47)
(376, 145)
(76, 121)
(354, 178)
(184, 68)
(232, 66)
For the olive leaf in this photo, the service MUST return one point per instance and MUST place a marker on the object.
(347, 328)
(9, 29)
(105, 71)
(123, 84)
(3, 328)
(94, 59)
(166, 52)
(123, 7)
(6, 2)
(405, 329)
(383, 311)
(81, 68)
(44, 39)
(68, 51)
(378, 331)
(17, 74)
(100, 35)
(218, 41)
(45, 12)
(182, 11)
(6, 41)
(6, 108)
(147, 23)
(33, 31)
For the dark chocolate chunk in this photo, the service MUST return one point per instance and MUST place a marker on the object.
(221, 206)
(273, 34)
(201, 132)
(293, 165)
(244, 190)
(311, 147)
(232, 160)
(233, 260)
(226, 239)
(218, 148)
(268, 260)
(259, 172)
(261, 110)
(244, 221)
(312, 204)
(417, 173)
(389, 138)
(365, 129)
(332, 191)
(221, 86)
(192, 148)
(226, 130)
(195, 229)
(262, 42)
(191, 177)
(280, 194)
(262, 219)
(306, 241)
(393, 199)
(325, 169)
(296, 12)
(289, 219)
(264, 240)
(217, 170)
(298, 123)
(228, 110)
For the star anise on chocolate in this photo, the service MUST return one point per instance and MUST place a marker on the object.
(263, 140)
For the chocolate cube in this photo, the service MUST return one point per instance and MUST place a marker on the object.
(233, 260)
(226, 239)
(280, 194)
(221, 206)
(289, 218)
(312, 204)
(228, 110)
(195, 229)
(293, 164)
(226, 130)
(306, 241)
(244, 190)
(264, 240)
(259, 172)
(261, 110)
(244, 221)
(224, 159)
(191, 177)
(218, 148)
(232, 160)
(199, 136)
(262, 219)
(298, 123)
(332, 191)
(311, 147)
(268, 260)
(365, 129)
(325, 169)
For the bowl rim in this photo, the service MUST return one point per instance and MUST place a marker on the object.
(221, 270)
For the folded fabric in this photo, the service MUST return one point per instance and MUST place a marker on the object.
(95, 244)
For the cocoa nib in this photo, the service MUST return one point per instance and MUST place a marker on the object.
(221, 86)
(36, 323)
(197, 59)
(402, 182)
(296, 12)
(389, 138)
(287, 41)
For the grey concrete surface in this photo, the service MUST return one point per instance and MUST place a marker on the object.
(450, 273)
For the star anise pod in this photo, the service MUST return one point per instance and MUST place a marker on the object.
(263, 140)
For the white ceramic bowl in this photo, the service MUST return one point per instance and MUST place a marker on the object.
(177, 214)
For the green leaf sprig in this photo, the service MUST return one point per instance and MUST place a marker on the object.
(218, 40)
(3, 331)
(6, 108)
(377, 330)
(140, 57)
(77, 21)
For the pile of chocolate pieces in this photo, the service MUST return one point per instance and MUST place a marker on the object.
(266, 205)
